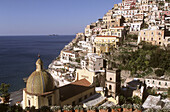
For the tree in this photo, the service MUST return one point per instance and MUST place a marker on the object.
(159, 72)
(122, 100)
(4, 92)
(136, 100)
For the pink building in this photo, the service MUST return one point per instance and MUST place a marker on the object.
(166, 13)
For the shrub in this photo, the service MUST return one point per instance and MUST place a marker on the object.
(159, 72)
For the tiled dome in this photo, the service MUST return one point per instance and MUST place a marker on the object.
(40, 81)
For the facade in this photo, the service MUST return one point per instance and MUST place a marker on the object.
(95, 62)
(153, 35)
(112, 82)
(68, 56)
(135, 26)
(104, 43)
(41, 91)
(157, 83)
(113, 31)
(86, 74)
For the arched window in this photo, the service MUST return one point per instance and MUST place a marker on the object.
(110, 87)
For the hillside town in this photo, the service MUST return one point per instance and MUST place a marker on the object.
(119, 61)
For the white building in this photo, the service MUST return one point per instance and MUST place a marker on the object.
(68, 56)
(157, 83)
(95, 62)
(135, 26)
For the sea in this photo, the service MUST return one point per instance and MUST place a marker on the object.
(18, 55)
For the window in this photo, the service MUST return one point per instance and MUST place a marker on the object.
(73, 103)
(91, 93)
(85, 97)
(166, 84)
(152, 39)
(159, 43)
(110, 78)
(148, 80)
(50, 100)
(29, 103)
(110, 87)
(80, 99)
(159, 83)
(153, 82)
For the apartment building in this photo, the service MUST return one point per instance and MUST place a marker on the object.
(95, 62)
(153, 35)
(157, 83)
(104, 43)
(68, 56)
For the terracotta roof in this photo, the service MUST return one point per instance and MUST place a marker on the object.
(118, 27)
(106, 36)
(82, 82)
(68, 51)
(72, 90)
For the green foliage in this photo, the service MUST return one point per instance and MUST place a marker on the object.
(122, 99)
(159, 72)
(45, 109)
(4, 107)
(78, 107)
(136, 100)
(132, 36)
(4, 91)
(78, 60)
(67, 107)
(169, 92)
(55, 108)
(144, 59)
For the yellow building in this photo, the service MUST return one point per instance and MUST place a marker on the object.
(84, 73)
(154, 35)
(114, 31)
(41, 91)
(104, 43)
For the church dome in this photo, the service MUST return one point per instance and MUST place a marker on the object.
(40, 81)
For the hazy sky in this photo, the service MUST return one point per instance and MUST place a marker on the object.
(34, 17)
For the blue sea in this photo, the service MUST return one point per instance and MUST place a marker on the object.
(18, 55)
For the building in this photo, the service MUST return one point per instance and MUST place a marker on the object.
(95, 62)
(41, 91)
(104, 43)
(118, 31)
(157, 83)
(86, 74)
(135, 26)
(112, 82)
(68, 56)
(153, 35)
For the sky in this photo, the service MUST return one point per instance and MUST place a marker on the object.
(44, 17)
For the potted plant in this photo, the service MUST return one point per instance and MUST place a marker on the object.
(27, 109)
(56, 108)
(137, 108)
(67, 108)
(127, 107)
(78, 108)
(103, 109)
(116, 108)
(45, 109)
(91, 109)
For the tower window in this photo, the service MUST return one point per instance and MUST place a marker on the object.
(50, 100)
(110, 87)
(29, 103)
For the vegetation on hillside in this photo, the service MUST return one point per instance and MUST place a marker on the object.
(141, 60)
